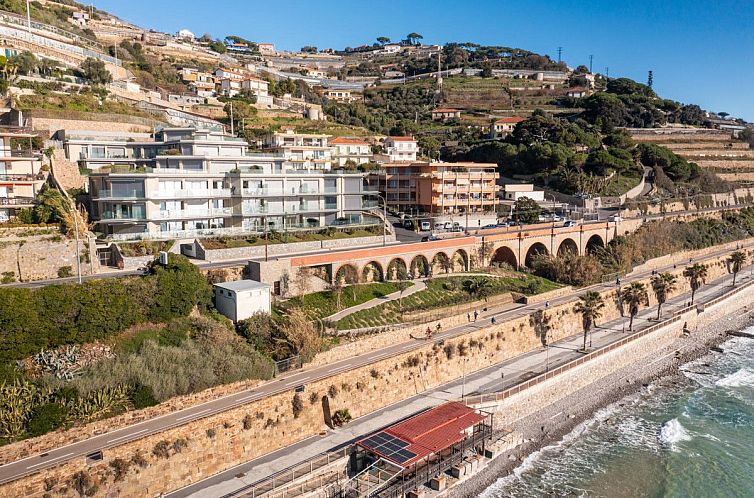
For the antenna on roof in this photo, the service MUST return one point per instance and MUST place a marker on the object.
(650, 79)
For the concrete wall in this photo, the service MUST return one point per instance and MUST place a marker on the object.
(39, 258)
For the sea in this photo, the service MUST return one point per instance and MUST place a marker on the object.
(688, 438)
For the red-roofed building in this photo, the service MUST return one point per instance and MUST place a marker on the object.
(501, 127)
(355, 150)
(443, 114)
(401, 149)
(425, 445)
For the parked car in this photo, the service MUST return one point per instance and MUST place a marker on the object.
(456, 229)
(615, 218)
(408, 224)
(425, 225)
(569, 224)
(491, 225)
(448, 225)
(557, 217)
(430, 238)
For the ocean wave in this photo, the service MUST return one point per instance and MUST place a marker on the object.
(672, 432)
(739, 378)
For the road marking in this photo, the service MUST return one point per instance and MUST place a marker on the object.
(127, 436)
(50, 460)
(192, 415)
(297, 381)
(247, 397)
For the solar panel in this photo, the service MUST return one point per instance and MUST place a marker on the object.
(389, 446)
(402, 456)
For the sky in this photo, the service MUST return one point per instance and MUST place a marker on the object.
(700, 51)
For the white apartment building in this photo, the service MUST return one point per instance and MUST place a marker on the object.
(259, 88)
(189, 183)
(400, 149)
(347, 149)
(302, 151)
(21, 176)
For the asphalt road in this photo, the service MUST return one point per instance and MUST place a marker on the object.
(285, 382)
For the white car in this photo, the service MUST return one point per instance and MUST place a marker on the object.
(615, 218)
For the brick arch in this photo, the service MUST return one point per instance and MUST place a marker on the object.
(372, 272)
(347, 273)
(441, 263)
(534, 250)
(504, 254)
(460, 260)
(594, 243)
(568, 246)
(420, 266)
(395, 269)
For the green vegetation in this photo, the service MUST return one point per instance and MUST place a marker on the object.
(34, 319)
(443, 292)
(590, 308)
(634, 296)
(79, 102)
(95, 71)
(662, 285)
(290, 237)
(319, 305)
(144, 247)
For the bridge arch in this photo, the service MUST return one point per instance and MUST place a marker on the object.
(504, 254)
(372, 272)
(396, 269)
(535, 250)
(347, 274)
(441, 263)
(568, 246)
(594, 243)
(460, 261)
(419, 266)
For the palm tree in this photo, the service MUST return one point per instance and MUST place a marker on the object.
(697, 276)
(662, 285)
(736, 262)
(590, 306)
(634, 295)
(478, 287)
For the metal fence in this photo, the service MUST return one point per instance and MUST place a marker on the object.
(282, 480)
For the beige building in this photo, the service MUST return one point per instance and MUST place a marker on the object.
(439, 188)
(502, 127)
(443, 114)
(302, 151)
(21, 176)
(515, 191)
(355, 150)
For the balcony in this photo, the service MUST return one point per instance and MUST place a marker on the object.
(22, 178)
(17, 201)
(191, 193)
(126, 194)
(191, 214)
(118, 215)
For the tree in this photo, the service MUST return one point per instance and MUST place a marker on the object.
(634, 296)
(383, 40)
(478, 287)
(95, 71)
(25, 62)
(590, 307)
(218, 46)
(309, 49)
(402, 286)
(526, 210)
(206, 38)
(662, 285)
(735, 263)
(336, 287)
(241, 110)
(413, 38)
(697, 276)
(298, 332)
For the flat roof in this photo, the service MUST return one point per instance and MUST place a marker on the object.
(242, 285)
(407, 442)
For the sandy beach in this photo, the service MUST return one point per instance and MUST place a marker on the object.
(551, 424)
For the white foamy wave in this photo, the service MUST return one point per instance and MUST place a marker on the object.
(742, 377)
(673, 432)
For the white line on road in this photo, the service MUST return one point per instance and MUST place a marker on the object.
(50, 460)
(192, 415)
(127, 436)
(247, 397)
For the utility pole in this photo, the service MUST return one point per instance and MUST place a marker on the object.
(591, 59)
(232, 127)
(560, 54)
(439, 71)
(78, 250)
(607, 72)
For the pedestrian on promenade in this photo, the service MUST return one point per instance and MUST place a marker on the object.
(547, 304)
(493, 320)
(468, 316)
(476, 315)
(439, 326)
(429, 333)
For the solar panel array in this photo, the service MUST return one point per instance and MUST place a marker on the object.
(389, 446)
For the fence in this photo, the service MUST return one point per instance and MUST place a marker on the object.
(59, 46)
(284, 478)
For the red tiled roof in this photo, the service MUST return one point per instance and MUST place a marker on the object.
(347, 141)
(513, 119)
(434, 430)
(402, 139)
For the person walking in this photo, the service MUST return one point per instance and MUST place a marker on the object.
(493, 320)
(476, 315)
(439, 326)
(429, 333)
(468, 316)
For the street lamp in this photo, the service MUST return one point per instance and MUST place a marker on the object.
(28, 16)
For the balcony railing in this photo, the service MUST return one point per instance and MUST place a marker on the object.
(184, 213)
(115, 215)
(17, 201)
(121, 194)
(193, 193)
(22, 178)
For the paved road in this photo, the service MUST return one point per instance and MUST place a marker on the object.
(283, 383)
(239, 480)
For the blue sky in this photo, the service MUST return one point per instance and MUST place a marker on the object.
(701, 51)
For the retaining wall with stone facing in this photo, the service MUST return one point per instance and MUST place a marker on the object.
(183, 455)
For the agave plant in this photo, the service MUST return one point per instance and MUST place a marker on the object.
(98, 404)
(17, 402)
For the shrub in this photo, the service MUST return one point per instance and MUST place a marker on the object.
(139, 460)
(313, 398)
(298, 405)
(82, 483)
(180, 444)
(64, 271)
(341, 417)
(211, 433)
(332, 391)
(8, 277)
(143, 397)
(450, 350)
(120, 468)
(463, 349)
(161, 449)
(46, 418)
(248, 422)
(374, 373)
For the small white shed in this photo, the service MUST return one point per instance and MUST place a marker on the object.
(240, 299)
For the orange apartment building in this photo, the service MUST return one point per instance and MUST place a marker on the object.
(439, 188)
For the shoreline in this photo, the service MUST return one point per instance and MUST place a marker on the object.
(553, 423)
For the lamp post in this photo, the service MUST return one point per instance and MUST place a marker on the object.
(28, 16)
(463, 384)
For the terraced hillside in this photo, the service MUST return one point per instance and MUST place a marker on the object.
(713, 150)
